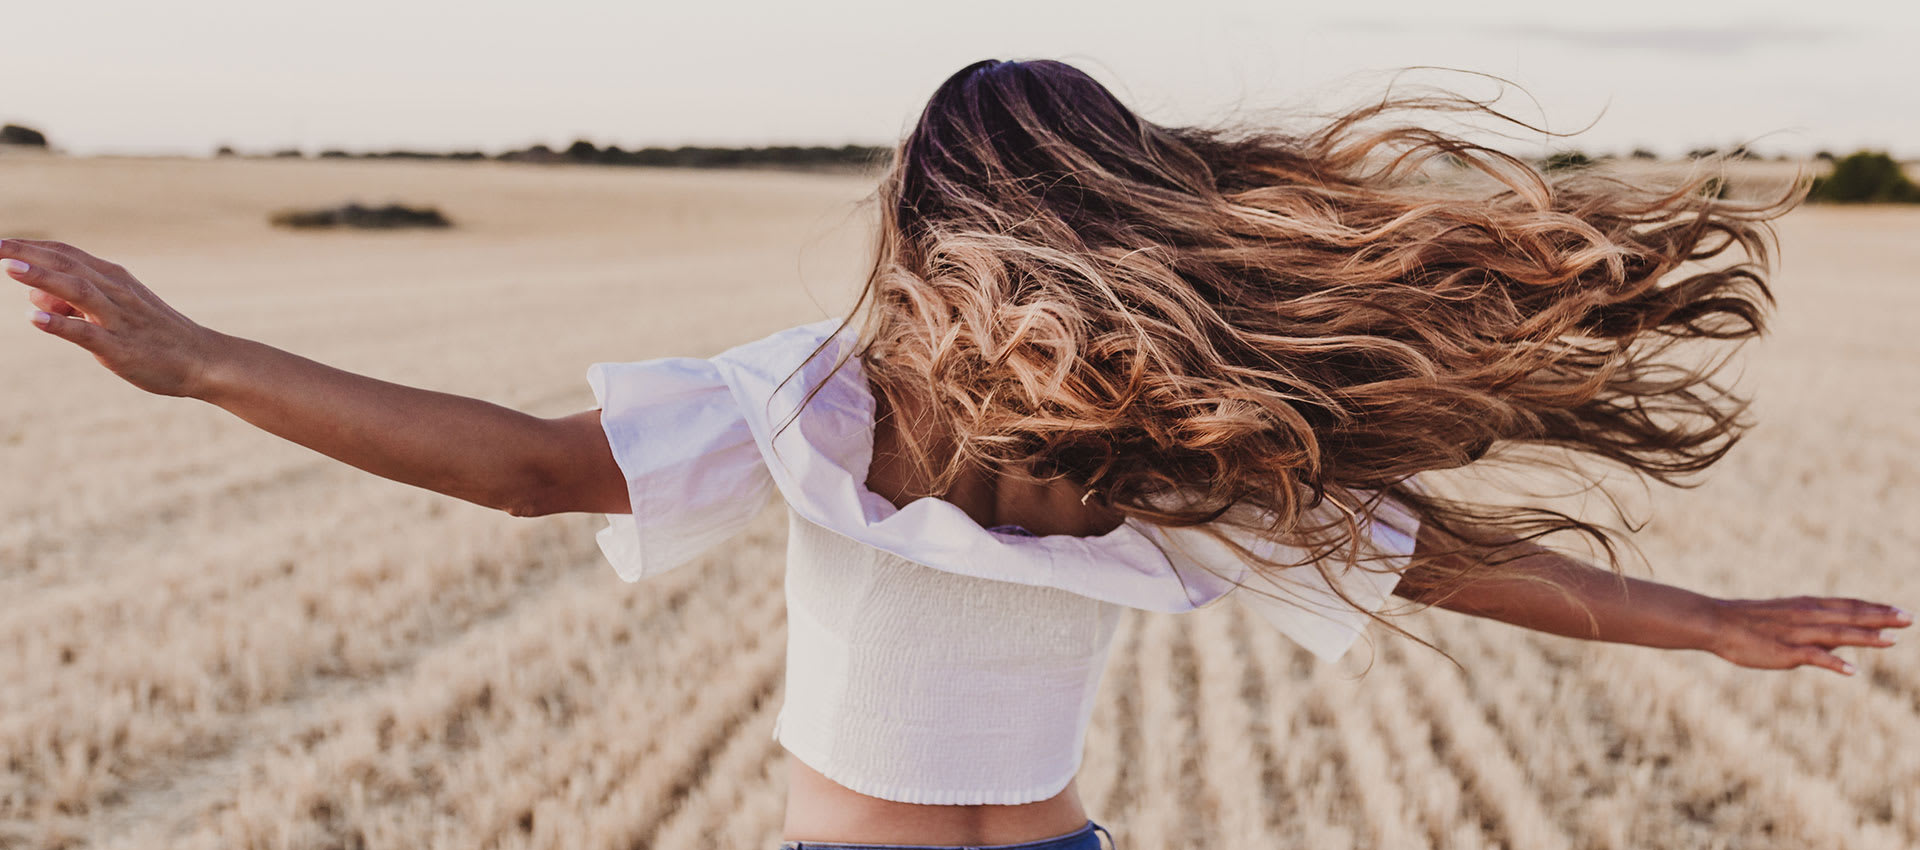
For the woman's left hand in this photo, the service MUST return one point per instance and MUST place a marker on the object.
(101, 307)
(1777, 634)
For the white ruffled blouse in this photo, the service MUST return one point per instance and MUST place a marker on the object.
(695, 439)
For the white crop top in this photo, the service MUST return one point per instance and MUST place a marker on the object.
(929, 659)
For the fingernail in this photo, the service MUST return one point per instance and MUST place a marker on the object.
(1905, 618)
(40, 317)
(14, 266)
(1846, 668)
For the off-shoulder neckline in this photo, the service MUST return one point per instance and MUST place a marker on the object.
(821, 459)
(818, 461)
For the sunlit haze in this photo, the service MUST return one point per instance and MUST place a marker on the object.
(117, 76)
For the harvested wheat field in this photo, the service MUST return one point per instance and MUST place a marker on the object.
(212, 638)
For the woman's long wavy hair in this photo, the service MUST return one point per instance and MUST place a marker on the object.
(1190, 320)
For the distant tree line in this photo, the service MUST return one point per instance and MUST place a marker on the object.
(685, 156)
(1859, 177)
(1575, 158)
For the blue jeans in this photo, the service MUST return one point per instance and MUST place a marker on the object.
(1084, 838)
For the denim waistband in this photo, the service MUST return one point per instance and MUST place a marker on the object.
(1084, 838)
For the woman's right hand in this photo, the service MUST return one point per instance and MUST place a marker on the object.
(1776, 634)
(102, 308)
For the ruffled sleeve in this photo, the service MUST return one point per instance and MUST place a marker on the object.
(1304, 605)
(1298, 601)
(695, 476)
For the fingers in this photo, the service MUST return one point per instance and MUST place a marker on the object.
(80, 332)
(1834, 611)
(1831, 636)
(1821, 658)
(106, 267)
(46, 301)
(58, 255)
(60, 284)
(1860, 612)
(51, 255)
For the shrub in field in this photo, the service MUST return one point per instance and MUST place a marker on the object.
(362, 217)
(1865, 177)
(1566, 159)
(14, 134)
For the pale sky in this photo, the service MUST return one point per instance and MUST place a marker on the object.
(137, 76)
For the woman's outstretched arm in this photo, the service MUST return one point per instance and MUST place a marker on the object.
(1764, 633)
(462, 447)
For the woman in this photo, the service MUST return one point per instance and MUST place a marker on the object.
(1106, 363)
